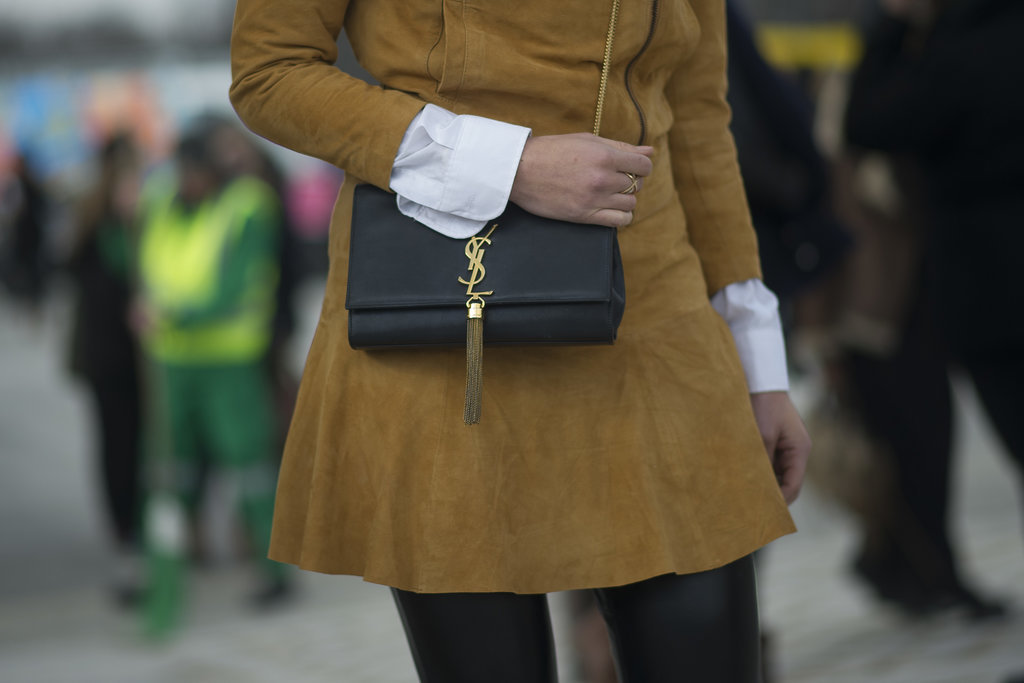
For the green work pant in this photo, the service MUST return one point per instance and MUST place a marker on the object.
(223, 413)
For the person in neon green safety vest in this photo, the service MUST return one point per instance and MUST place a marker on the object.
(207, 276)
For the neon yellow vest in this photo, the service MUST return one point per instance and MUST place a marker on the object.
(180, 261)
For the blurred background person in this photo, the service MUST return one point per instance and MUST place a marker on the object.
(888, 420)
(883, 423)
(208, 270)
(786, 177)
(238, 154)
(936, 87)
(104, 354)
(23, 258)
(788, 183)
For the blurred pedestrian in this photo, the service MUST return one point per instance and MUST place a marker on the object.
(788, 185)
(208, 272)
(937, 86)
(23, 257)
(103, 349)
(238, 154)
(785, 175)
(888, 379)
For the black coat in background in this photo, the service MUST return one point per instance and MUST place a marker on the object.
(23, 262)
(785, 176)
(951, 98)
(104, 355)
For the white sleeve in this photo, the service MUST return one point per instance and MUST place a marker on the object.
(752, 313)
(454, 173)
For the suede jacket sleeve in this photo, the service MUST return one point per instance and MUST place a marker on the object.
(704, 164)
(286, 88)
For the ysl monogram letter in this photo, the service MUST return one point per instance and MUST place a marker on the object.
(475, 253)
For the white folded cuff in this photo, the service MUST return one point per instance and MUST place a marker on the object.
(752, 312)
(454, 173)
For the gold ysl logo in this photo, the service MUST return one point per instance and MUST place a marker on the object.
(475, 253)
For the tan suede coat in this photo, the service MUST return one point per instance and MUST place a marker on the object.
(593, 466)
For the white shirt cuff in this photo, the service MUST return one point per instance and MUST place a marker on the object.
(454, 173)
(752, 313)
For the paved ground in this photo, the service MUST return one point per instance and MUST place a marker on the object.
(57, 626)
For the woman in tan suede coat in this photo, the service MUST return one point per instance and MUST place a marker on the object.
(638, 465)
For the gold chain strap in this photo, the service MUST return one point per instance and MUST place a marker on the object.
(606, 66)
(475, 253)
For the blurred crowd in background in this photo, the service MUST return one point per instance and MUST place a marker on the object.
(883, 156)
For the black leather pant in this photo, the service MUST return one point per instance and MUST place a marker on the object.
(697, 628)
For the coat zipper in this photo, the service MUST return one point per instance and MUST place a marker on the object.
(606, 64)
(632, 63)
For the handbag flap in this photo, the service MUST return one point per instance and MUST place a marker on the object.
(396, 262)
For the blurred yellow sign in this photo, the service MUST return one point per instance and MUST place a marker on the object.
(810, 46)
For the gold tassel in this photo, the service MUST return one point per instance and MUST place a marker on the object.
(474, 362)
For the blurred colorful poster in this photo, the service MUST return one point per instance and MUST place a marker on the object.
(57, 120)
(118, 102)
(43, 124)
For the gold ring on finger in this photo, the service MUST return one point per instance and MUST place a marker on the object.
(634, 183)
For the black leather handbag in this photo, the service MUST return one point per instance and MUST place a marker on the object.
(541, 281)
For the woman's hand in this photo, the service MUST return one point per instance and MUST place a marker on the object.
(785, 438)
(580, 178)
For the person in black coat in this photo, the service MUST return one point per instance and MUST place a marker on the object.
(23, 263)
(786, 178)
(103, 349)
(939, 85)
(947, 92)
